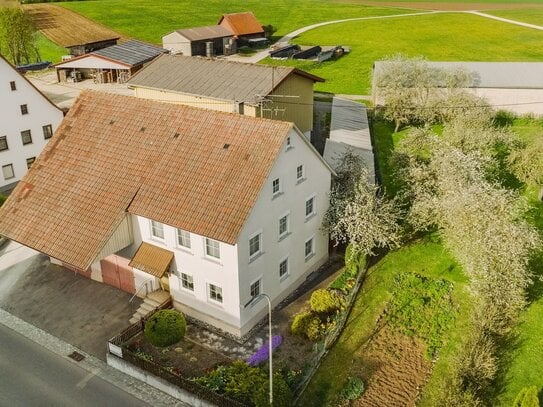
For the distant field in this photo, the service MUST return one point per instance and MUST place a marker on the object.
(49, 51)
(445, 37)
(534, 16)
(149, 20)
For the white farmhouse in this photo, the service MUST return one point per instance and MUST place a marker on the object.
(211, 207)
(27, 121)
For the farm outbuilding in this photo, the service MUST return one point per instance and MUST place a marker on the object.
(244, 26)
(279, 93)
(113, 64)
(511, 86)
(204, 41)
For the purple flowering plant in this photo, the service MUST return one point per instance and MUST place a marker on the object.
(262, 354)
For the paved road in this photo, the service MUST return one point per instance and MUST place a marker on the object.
(33, 376)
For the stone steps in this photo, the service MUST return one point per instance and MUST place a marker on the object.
(152, 301)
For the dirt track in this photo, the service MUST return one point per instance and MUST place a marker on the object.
(449, 6)
(65, 28)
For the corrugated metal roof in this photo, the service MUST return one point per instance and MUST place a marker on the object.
(242, 23)
(131, 52)
(504, 75)
(195, 169)
(214, 78)
(204, 33)
(349, 130)
(152, 259)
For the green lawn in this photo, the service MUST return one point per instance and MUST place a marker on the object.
(534, 16)
(426, 257)
(49, 51)
(437, 36)
(150, 20)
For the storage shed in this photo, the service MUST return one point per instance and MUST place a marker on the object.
(244, 26)
(112, 64)
(204, 41)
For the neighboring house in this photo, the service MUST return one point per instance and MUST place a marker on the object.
(27, 121)
(244, 26)
(512, 86)
(279, 93)
(200, 41)
(112, 64)
(214, 207)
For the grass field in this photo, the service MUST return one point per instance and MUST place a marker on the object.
(534, 16)
(436, 36)
(49, 51)
(149, 20)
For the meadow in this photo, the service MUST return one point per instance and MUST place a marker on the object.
(530, 16)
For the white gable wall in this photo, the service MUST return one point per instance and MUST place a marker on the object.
(177, 44)
(40, 113)
(265, 217)
(91, 62)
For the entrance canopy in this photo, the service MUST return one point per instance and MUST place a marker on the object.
(152, 259)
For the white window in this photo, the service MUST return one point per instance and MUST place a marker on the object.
(212, 248)
(309, 248)
(157, 229)
(30, 161)
(255, 245)
(283, 226)
(215, 293)
(7, 170)
(283, 269)
(187, 281)
(183, 238)
(310, 206)
(255, 289)
(299, 173)
(47, 131)
(276, 186)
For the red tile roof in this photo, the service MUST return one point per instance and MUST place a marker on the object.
(241, 23)
(199, 170)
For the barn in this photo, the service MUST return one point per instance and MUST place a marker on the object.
(245, 27)
(112, 64)
(204, 41)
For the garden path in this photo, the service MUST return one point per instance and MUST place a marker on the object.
(506, 20)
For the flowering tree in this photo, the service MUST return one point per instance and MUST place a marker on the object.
(358, 213)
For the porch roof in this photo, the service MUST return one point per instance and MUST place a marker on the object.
(152, 259)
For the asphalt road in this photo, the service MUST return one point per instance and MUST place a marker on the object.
(33, 376)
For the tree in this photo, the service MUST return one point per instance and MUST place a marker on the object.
(411, 91)
(527, 163)
(358, 213)
(17, 36)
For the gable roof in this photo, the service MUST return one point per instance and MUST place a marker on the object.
(502, 75)
(204, 33)
(242, 23)
(132, 52)
(214, 78)
(30, 83)
(195, 169)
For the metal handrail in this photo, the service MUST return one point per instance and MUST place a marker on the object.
(144, 284)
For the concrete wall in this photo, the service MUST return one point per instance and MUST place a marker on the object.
(41, 112)
(154, 381)
(265, 217)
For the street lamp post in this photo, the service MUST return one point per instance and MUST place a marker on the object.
(270, 349)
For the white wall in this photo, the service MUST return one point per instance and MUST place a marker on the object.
(40, 113)
(519, 101)
(177, 44)
(265, 217)
(204, 270)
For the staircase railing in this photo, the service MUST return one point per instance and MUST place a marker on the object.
(144, 284)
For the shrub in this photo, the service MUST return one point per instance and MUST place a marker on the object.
(262, 354)
(282, 396)
(504, 118)
(314, 329)
(300, 323)
(353, 388)
(325, 301)
(2, 199)
(165, 327)
(527, 397)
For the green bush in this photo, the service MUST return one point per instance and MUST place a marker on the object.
(527, 397)
(314, 329)
(325, 301)
(282, 396)
(165, 327)
(301, 322)
(353, 388)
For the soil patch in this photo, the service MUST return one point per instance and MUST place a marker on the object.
(394, 369)
(447, 6)
(66, 28)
